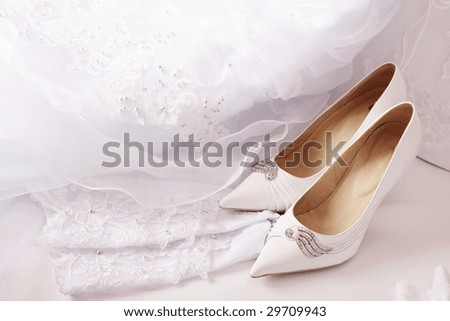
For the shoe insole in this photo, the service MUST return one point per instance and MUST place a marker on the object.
(343, 124)
(345, 204)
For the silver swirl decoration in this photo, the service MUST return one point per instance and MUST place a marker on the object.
(307, 242)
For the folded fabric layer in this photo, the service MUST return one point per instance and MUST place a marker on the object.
(81, 218)
(101, 240)
(96, 270)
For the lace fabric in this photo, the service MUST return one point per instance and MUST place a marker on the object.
(420, 25)
(102, 240)
(428, 83)
(92, 270)
(81, 218)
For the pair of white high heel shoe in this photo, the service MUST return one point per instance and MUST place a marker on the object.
(329, 203)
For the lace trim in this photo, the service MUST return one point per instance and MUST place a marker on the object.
(89, 270)
(434, 114)
(78, 217)
(83, 270)
(103, 239)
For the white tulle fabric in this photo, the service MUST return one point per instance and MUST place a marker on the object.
(75, 75)
(83, 73)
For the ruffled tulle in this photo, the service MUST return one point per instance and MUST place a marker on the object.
(78, 75)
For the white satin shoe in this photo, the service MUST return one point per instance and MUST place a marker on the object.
(327, 224)
(276, 184)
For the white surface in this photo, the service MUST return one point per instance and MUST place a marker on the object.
(409, 236)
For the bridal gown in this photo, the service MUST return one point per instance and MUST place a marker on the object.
(76, 75)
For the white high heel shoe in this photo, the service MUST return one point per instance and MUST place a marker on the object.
(327, 224)
(274, 185)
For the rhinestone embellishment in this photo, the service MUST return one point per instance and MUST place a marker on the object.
(267, 167)
(307, 242)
